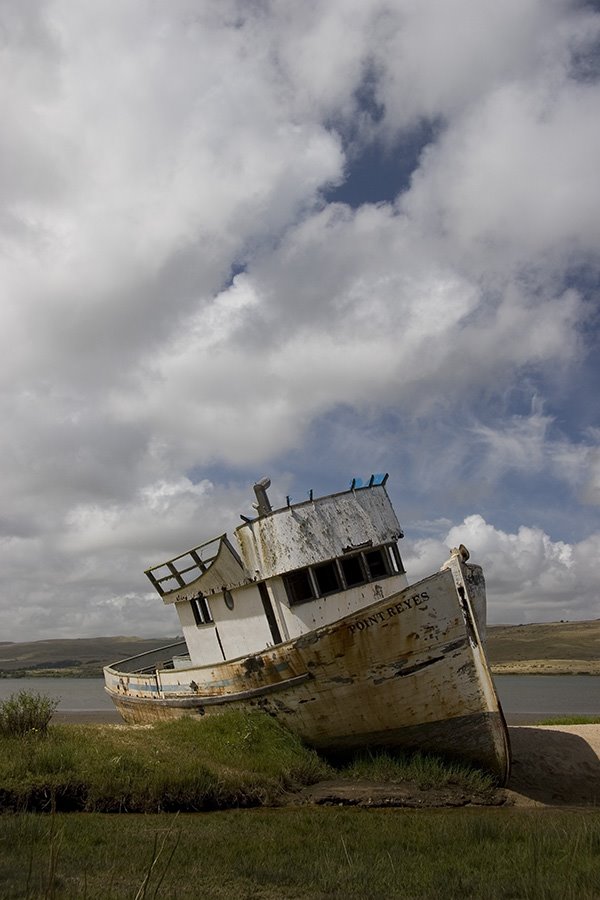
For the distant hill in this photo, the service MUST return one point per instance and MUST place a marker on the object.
(76, 656)
(545, 648)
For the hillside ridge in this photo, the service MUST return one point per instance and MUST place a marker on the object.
(542, 648)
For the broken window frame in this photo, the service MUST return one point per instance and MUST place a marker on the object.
(349, 560)
(383, 559)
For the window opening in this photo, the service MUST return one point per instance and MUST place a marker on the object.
(299, 586)
(342, 573)
(201, 610)
(397, 558)
(353, 570)
(377, 564)
(328, 580)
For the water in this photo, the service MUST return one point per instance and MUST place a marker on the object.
(549, 695)
(520, 695)
(73, 694)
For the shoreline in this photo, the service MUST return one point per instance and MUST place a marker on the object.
(547, 667)
(514, 667)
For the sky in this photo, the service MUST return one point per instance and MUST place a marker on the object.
(305, 240)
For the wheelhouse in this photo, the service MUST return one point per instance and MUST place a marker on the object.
(294, 569)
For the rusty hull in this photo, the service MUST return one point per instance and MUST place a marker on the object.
(407, 671)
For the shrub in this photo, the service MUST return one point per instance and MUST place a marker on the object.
(26, 712)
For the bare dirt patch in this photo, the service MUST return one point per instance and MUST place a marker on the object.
(552, 766)
(377, 795)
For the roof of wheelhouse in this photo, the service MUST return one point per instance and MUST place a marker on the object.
(281, 540)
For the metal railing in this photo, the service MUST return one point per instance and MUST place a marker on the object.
(197, 560)
(150, 661)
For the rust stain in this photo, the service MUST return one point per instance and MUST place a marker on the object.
(253, 664)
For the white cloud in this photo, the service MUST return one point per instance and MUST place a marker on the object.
(529, 577)
(512, 183)
(441, 57)
(150, 150)
(87, 577)
(520, 445)
(524, 444)
(579, 464)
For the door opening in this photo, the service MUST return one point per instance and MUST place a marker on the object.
(268, 608)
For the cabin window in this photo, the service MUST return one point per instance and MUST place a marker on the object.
(201, 610)
(299, 586)
(340, 574)
(353, 571)
(376, 563)
(228, 597)
(328, 580)
(396, 560)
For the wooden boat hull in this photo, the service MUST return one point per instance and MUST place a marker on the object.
(407, 671)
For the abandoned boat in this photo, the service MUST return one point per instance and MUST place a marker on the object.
(311, 618)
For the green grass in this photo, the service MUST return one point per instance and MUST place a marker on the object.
(303, 853)
(234, 759)
(237, 759)
(248, 759)
(424, 770)
(571, 720)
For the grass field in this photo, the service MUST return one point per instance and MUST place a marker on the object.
(570, 720)
(303, 853)
(73, 657)
(293, 851)
(235, 759)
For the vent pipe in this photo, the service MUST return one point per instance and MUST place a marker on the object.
(262, 505)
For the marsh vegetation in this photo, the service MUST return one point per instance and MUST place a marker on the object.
(247, 761)
(237, 759)
(303, 853)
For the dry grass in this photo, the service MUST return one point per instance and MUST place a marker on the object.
(549, 647)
